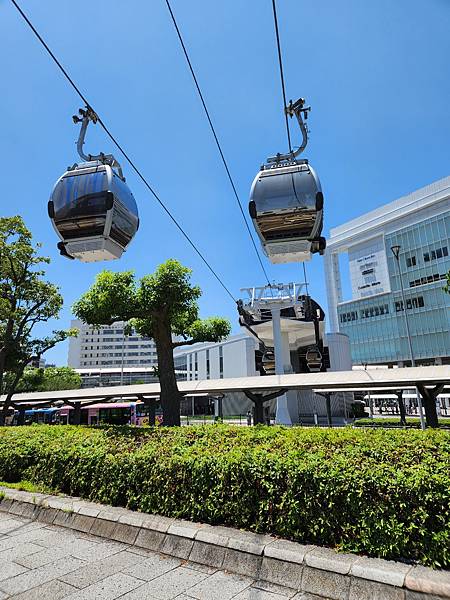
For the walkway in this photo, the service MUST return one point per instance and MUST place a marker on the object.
(45, 562)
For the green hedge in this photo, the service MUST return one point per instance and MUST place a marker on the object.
(395, 422)
(382, 493)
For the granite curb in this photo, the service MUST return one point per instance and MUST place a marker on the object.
(306, 568)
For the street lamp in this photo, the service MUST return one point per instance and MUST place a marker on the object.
(123, 353)
(396, 252)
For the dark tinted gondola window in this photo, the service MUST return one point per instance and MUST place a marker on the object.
(79, 195)
(123, 226)
(285, 191)
(124, 195)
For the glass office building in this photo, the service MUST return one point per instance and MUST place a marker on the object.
(374, 317)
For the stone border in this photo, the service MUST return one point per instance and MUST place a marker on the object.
(311, 569)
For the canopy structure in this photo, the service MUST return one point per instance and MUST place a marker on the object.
(377, 379)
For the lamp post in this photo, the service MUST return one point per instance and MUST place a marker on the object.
(396, 252)
(369, 397)
(123, 353)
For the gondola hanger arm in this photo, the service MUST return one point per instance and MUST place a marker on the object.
(300, 111)
(87, 115)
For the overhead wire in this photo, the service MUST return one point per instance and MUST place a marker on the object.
(283, 91)
(280, 64)
(216, 139)
(121, 149)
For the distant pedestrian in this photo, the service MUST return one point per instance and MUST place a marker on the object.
(249, 417)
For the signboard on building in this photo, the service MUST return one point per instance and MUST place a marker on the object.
(368, 269)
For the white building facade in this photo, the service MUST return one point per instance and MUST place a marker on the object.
(109, 347)
(374, 317)
(234, 357)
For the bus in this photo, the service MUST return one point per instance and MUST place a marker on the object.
(42, 416)
(114, 413)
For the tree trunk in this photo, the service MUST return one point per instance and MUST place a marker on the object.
(401, 406)
(170, 396)
(12, 388)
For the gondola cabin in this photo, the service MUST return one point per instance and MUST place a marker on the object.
(93, 212)
(286, 206)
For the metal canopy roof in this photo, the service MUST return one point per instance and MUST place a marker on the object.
(377, 379)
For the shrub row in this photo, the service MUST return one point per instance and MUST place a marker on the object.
(382, 493)
(395, 422)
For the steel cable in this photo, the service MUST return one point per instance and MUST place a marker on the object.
(216, 139)
(280, 64)
(120, 148)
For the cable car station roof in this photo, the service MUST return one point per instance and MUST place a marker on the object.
(376, 379)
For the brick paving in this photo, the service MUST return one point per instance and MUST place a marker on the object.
(46, 562)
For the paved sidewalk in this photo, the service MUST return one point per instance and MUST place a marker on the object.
(44, 562)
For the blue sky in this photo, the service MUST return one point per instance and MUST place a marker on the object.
(375, 74)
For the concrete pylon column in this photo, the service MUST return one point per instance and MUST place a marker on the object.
(282, 358)
(277, 341)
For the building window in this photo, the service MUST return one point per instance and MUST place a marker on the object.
(416, 302)
(221, 362)
(428, 279)
(374, 311)
(411, 261)
(350, 316)
(435, 254)
(208, 370)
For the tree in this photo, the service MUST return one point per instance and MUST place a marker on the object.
(447, 285)
(49, 380)
(26, 301)
(160, 305)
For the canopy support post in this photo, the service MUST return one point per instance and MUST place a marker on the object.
(259, 400)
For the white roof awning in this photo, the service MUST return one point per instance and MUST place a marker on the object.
(332, 381)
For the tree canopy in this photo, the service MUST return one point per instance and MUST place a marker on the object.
(26, 301)
(163, 306)
(49, 379)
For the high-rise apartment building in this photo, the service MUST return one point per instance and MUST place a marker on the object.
(374, 316)
(109, 347)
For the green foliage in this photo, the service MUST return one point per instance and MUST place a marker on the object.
(49, 379)
(395, 422)
(111, 298)
(381, 493)
(213, 329)
(27, 486)
(160, 305)
(447, 285)
(26, 301)
(165, 294)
